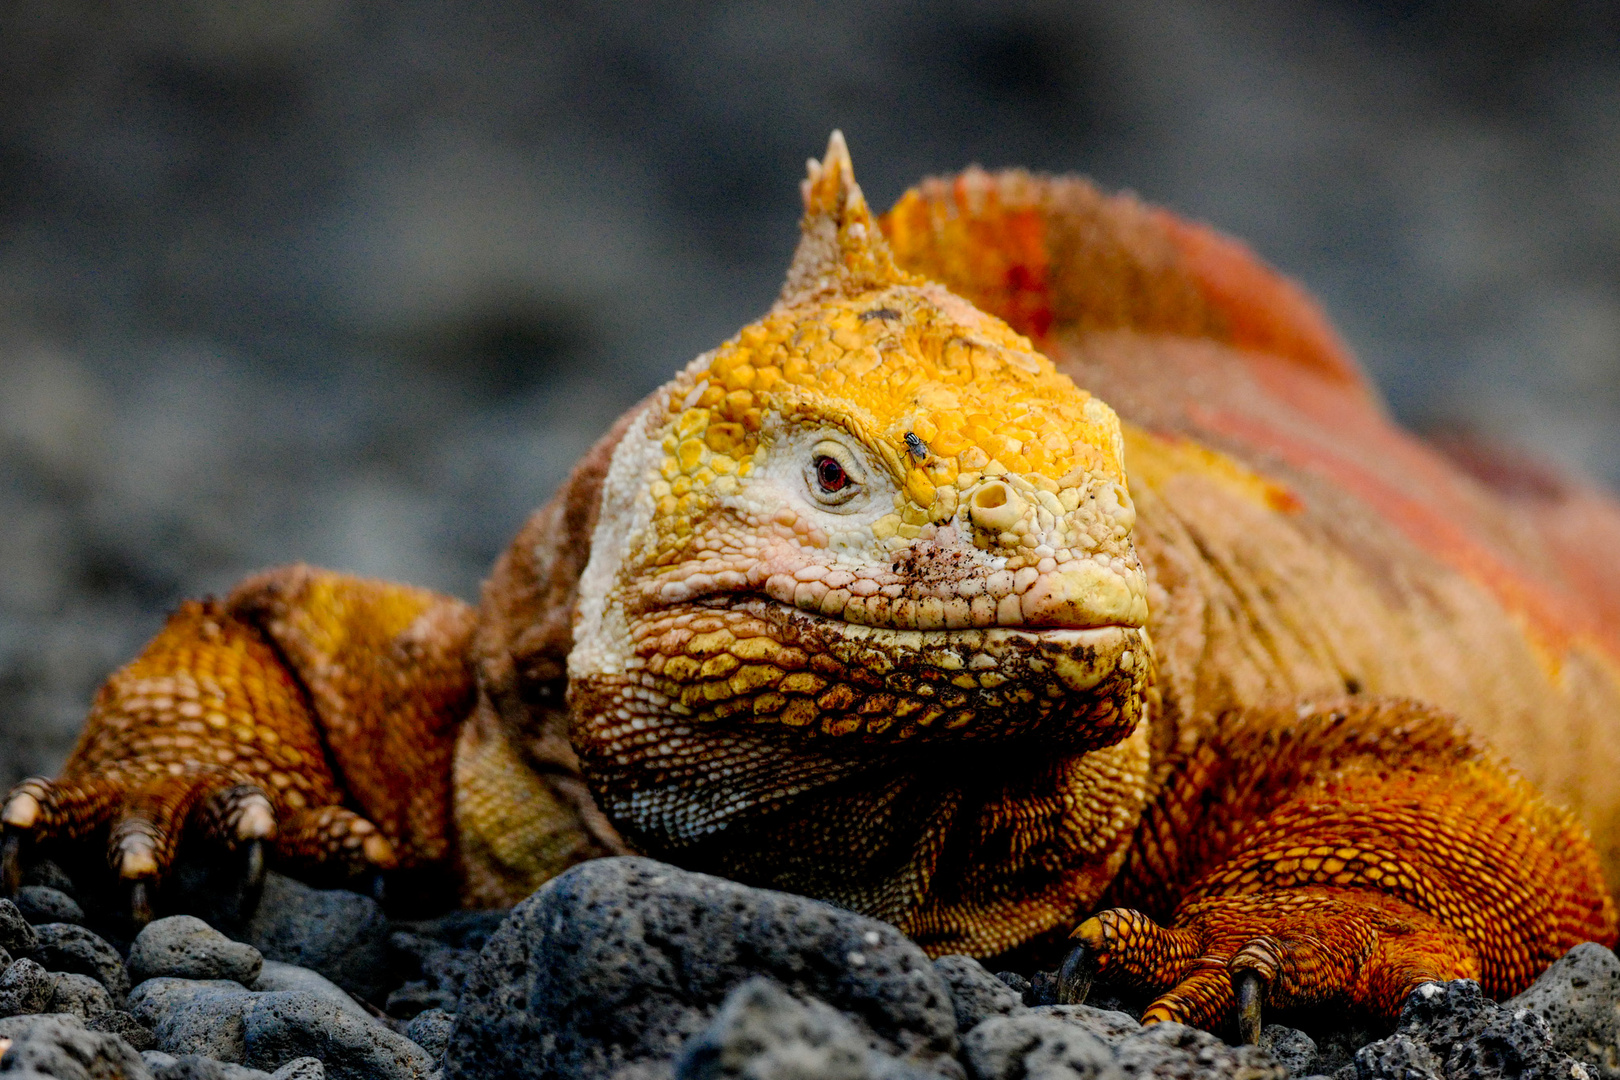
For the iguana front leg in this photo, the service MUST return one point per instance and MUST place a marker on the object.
(1344, 852)
(311, 710)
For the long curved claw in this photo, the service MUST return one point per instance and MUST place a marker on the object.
(140, 904)
(253, 866)
(1078, 972)
(1248, 989)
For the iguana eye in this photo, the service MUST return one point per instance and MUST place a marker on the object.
(834, 475)
(830, 475)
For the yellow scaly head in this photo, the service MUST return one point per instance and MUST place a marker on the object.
(876, 519)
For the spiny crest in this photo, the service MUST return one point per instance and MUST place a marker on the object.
(841, 250)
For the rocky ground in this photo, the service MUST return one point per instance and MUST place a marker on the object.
(635, 970)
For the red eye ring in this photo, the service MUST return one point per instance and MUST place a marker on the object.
(830, 475)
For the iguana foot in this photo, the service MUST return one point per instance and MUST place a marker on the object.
(1224, 957)
(146, 818)
(204, 739)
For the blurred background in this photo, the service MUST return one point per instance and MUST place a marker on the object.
(354, 282)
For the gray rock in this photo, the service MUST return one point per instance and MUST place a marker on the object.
(125, 1026)
(59, 1046)
(80, 995)
(25, 988)
(1016, 983)
(1037, 1046)
(1293, 1049)
(43, 904)
(763, 1033)
(156, 1059)
(1399, 1057)
(976, 994)
(622, 960)
(435, 973)
(288, 1024)
(193, 1016)
(431, 1031)
(1451, 1030)
(16, 936)
(419, 996)
(1579, 997)
(1109, 1025)
(185, 947)
(303, 1068)
(154, 998)
(196, 1067)
(340, 934)
(66, 947)
(49, 874)
(464, 929)
(1177, 1052)
(5, 960)
(278, 976)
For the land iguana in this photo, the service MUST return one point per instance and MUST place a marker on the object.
(1039, 563)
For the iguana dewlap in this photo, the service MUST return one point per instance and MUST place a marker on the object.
(875, 603)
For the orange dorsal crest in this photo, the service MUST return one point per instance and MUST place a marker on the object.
(841, 250)
(1055, 256)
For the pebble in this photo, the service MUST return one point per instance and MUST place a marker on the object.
(340, 934)
(430, 1030)
(189, 1016)
(1451, 1030)
(1579, 997)
(283, 1025)
(67, 947)
(620, 961)
(1175, 1050)
(43, 904)
(59, 1046)
(185, 947)
(301, 1068)
(1036, 1045)
(25, 988)
(976, 994)
(434, 974)
(1293, 1049)
(278, 976)
(80, 995)
(17, 937)
(195, 1067)
(763, 1031)
(125, 1026)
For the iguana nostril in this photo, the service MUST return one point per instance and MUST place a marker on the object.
(996, 507)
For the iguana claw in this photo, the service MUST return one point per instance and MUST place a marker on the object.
(1248, 989)
(1076, 974)
(140, 905)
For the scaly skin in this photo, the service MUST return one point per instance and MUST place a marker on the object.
(865, 604)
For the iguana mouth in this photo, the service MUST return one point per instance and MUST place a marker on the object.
(931, 587)
(760, 662)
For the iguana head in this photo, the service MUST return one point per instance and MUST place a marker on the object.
(862, 604)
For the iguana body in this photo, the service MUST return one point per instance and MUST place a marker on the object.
(859, 606)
